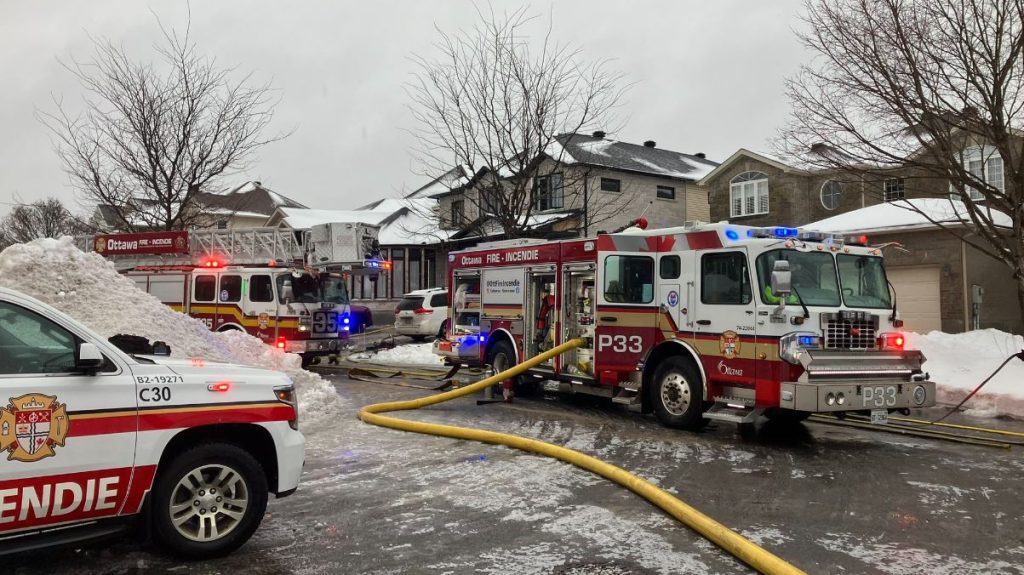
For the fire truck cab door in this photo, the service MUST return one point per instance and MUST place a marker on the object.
(725, 317)
(673, 270)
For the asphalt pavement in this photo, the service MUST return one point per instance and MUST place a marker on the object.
(830, 500)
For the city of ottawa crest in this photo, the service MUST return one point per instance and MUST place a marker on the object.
(31, 426)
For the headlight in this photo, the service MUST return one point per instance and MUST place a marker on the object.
(840, 398)
(792, 345)
(920, 395)
(830, 399)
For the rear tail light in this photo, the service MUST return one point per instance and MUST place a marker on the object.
(287, 396)
(397, 311)
(422, 311)
(281, 342)
(891, 341)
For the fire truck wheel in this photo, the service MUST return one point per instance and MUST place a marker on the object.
(677, 394)
(443, 332)
(208, 501)
(501, 357)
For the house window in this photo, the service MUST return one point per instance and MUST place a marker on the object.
(458, 212)
(222, 224)
(831, 193)
(666, 192)
(548, 192)
(611, 185)
(748, 194)
(893, 189)
(491, 200)
(985, 164)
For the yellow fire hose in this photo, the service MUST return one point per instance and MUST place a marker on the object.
(734, 543)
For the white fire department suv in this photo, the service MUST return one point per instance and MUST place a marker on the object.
(94, 437)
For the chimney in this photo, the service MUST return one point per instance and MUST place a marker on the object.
(650, 144)
(257, 182)
(599, 134)
(701, 155)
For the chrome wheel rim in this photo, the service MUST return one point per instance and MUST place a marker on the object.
(675, 393)
(208, 502)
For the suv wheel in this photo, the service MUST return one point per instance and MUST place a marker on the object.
(208, 501)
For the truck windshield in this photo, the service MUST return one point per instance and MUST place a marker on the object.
(864, 283)
(814, 277)
(305, 288)
(334, 289)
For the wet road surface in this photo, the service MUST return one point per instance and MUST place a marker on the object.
(827, 499)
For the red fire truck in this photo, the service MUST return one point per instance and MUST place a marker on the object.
(286, 287)
(698, 322)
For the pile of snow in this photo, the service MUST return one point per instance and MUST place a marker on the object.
(412, 354)
(88, 288)
(903, 215)
(958, 362)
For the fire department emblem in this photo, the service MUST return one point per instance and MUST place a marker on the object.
(264, 320)
(180, 243)
(729, 344)
(31, 426)
(100, 245)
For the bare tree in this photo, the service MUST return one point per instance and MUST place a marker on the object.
(933, 89)
(496, 103)
(152, 137)
(47, 218)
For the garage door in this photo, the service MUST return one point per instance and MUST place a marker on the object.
(917, 297)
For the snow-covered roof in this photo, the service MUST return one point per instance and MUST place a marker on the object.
(454, 178)
(608, 153)
(907, 215)
(252, 197)
(786, 165)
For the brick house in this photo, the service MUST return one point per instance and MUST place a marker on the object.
(937, 279)
(592, 183)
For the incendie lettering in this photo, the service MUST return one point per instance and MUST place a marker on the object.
(54, 500)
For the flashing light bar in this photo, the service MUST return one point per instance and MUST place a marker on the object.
(776, 232)
(211, 264)
(379, 264)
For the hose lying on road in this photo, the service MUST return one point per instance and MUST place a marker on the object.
(732, 542)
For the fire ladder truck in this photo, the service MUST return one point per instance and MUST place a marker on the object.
(697, 322)
(286, 287)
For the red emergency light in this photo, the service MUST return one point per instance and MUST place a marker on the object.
(894, 341)
(211, 264)
(281, 342)
(220, 386)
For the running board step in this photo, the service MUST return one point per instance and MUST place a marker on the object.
(630, 398)
(733, 414)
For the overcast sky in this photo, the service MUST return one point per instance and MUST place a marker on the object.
(708, 77)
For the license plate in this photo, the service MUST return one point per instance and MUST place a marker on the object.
(879, 396)
(405, 320)
(879, 416)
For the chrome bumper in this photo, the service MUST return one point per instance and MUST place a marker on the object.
(856, 395)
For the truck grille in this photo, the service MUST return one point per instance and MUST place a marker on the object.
(849, 330)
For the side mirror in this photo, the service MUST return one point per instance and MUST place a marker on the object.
(782, 279)
(287, 293)
(90, 360)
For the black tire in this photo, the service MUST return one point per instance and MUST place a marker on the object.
(418, 338)
(786, 416)
(501, 356)
(307, 360)
(443, 332)
(241, 478)
(677, 394)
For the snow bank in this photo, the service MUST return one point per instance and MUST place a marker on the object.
(411, 354)
(87, 287)
(959, 362)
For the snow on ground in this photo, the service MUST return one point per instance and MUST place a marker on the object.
(959, 362)
(411, 354)
(87, 287)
